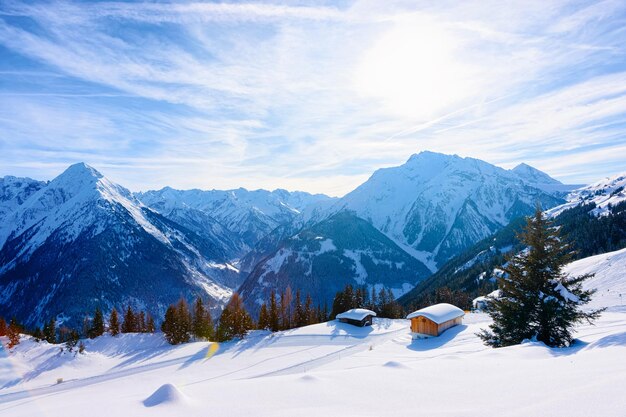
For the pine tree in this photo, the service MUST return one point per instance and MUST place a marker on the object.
(537, 299)
(38, 334)
(235, 320)
(50, 331)
(202, 321)
(3, 327)
(168, 327)
(286, 299)
(150, 327)
(140, 322)
(13, 333)
(184, 321)
(309, 311)
(264, 318)
(300, 317)
(97, 325)
(130, 322)
(273, 313)
(114, 323)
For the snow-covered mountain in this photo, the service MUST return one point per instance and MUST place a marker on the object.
(603, 195)
(435, 206)
(248, 215)
(14, 191)
(539, 179)
(322, 259)
(82, 241)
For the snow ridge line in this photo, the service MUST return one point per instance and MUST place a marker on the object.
(305, 366)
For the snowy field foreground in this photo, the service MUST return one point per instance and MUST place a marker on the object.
(334, 369)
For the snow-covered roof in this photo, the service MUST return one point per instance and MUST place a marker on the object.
(438, 313)
(356, 314)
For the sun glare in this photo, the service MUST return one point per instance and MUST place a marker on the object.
(414, 70)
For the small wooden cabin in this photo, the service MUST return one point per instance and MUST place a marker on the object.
(434, 320)
(357, 317)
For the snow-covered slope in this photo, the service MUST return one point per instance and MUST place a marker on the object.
(14, 191)
(82, 241)
(250, 215)
(609, 278)
(603, 194)
(539, 179)
(322, 259)
(436, 205)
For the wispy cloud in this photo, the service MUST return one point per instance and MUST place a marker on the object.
(310, 97)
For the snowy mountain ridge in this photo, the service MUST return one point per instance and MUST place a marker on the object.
(436, 205)
(603, 194)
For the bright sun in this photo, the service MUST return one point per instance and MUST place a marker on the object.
(413, 69)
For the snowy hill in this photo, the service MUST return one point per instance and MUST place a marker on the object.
(327, 369)
(609, 279)
(539, 179)
(322, 259)
(435, 206)
(247, 215)
(82, 241)
(602, 194)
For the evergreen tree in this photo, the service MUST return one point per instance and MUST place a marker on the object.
(13, 333)
(168, 327)
(537, 300)
(264, 318)
(235, 320)
(184, 321)
(3, 327)
(130, 322)
(300, 316)
(97, 325)
(202, 321)
(309, 311)
(114, 323)
(273, 313)
(50, 331)
(38, 334)
(286, 299)
(150, 327)
(140, 322)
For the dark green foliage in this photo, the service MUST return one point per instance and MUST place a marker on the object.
(114, 323)
(37, 334)
(97, 325)
(382, 303)
(50, 331)
(274, 320)
(150, 327)
(202, 321)
(235, 321)
(264, 318)
(69, 337)
(537, 300)
(177, 325)
(13, 333)
(130, 321)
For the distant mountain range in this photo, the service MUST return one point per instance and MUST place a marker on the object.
(80, 240)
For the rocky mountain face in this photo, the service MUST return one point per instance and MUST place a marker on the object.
(435, 206)
(82, 241)
(320, 260)
(246, 217)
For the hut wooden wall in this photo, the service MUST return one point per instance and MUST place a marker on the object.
(423, 325)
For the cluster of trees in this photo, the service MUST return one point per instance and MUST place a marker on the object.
(537, 300)
(286, 312)
(383, 303)
(133, 322)
(180, 324)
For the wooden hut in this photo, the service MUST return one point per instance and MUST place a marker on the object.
(434, 320)
(357, 317)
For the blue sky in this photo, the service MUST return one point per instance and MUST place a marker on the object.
(309, 95)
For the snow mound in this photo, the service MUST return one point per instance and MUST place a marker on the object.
(395, 365)
(166, 394)
(308, 378)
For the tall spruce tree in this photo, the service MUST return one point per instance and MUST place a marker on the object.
(3, 327)
(13, 334)
(274, 317)
(150, 326)
(50, 331)
(264, 318)
(537, 299)
(235, 320)
(202, 321)
(97, 325)
(114, 323)
(130, 321)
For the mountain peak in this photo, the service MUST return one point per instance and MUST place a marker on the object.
(533, 175)
(81, 169)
